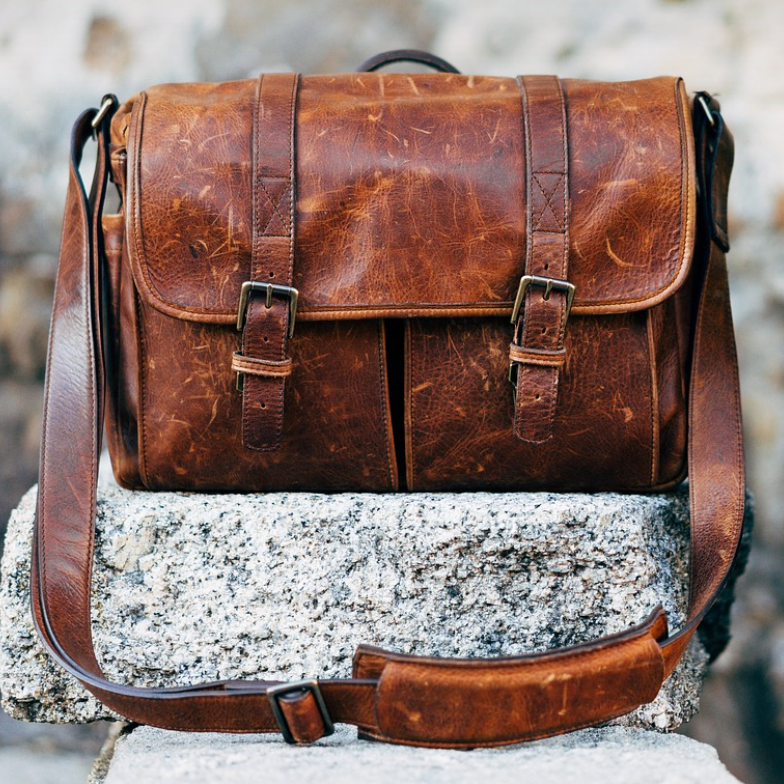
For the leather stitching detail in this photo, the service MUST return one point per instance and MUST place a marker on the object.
(274, 204)
(548, 195)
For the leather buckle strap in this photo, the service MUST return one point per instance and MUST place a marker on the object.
(539, 319)
(310, 697)
(268, 325)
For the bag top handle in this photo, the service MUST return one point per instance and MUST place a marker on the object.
(408, 56)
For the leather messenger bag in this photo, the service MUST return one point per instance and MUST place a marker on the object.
(385, 282)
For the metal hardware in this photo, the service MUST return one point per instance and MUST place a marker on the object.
(270, 289)
(702, 102)
(102, 112)
(276, 692)
(549, 285)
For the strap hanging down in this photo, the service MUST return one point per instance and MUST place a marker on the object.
(544, 296)
(393, 697)
(268, 303)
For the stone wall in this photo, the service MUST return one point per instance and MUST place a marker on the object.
(57, 58)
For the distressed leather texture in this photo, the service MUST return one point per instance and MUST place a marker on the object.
(400, 177)
(410, 196)
(405, 209)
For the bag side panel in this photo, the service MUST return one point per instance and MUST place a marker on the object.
(338, 434)
(461, 407)
(121, 350)
(670, 389)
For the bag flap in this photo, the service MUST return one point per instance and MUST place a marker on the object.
(410, 195)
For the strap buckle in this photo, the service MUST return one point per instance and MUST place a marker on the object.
(276, 692)
(549, 285)
(271, 289)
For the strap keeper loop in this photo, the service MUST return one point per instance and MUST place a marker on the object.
(259, 367)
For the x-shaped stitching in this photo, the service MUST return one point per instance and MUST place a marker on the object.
(548, 199)
(275, 205)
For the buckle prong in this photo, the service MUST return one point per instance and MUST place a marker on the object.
(276, 692)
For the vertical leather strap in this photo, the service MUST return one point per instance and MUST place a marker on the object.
(268, 317)
(538, 346)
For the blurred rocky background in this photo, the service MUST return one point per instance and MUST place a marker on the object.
(57, 58)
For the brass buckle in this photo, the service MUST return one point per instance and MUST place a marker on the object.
(549, 285)
(271, 290)
(276, 692)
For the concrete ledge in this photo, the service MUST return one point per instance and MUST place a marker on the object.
(610, 755)
(192, 587)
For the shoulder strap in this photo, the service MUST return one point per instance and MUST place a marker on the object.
(392, 697)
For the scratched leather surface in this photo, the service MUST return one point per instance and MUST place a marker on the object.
(335, 431)
(410, 193)
(460, 410)
(410, 202)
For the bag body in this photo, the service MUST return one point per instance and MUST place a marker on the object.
(399, 282)
(409, 213)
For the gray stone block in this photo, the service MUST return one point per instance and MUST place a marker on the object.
(192, 587)
(610, 755)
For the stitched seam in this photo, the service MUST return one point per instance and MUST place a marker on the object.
(245, 408)
(138, 244)
(275, 208)
(687, 218)
(410, 406)
(565, 180)
(256, 179)
(143, 397)
(162, 302)
(281, 388)
(518, 423)
(383, 400)
(597, 647)
(654, 396)
(292, 173)
(548, 204)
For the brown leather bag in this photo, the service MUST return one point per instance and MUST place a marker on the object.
(498, 284)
